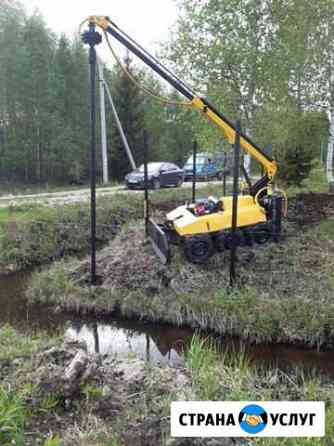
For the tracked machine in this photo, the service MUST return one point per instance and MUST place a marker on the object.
(205, 226)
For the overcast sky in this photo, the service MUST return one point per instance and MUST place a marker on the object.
(148, 21)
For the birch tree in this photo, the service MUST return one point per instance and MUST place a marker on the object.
(223, 47)
(325, 67)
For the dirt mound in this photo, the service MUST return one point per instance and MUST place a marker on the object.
(310, 208)
(73, 389)
(129, 263)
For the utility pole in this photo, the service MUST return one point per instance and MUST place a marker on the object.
(120, 128)
(103, 124)
(235, 203)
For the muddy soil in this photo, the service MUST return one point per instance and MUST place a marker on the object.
(311, 208)
(125, 395)
(129, 264)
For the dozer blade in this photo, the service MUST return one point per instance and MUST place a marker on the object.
(159, 241)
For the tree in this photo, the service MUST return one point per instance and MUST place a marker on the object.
(35, 92)
(12, 19)
(224, 45)
(324, 81)
(170, 126)
(70, 135)
(258, 60)
(297, 152)
(43, 101)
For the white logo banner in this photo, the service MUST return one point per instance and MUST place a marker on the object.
(248, 419)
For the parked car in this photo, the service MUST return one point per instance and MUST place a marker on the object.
(159, 175)
(209, 166)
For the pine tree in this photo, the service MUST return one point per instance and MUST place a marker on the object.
(70, 112)
(298, 152)
(12, 19)
(35, 93)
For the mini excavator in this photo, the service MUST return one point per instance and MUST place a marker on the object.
(205, 226)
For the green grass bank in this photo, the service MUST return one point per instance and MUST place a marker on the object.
(32, 235)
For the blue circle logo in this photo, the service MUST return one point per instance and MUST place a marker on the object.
(253, 419)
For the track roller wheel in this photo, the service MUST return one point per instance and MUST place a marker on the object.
(261, 235)
(238, 239)
(220, 242)
(198, 248)
(247, 237)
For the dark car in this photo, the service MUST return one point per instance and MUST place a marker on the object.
(159, 175)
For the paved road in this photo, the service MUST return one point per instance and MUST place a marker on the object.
(74, 196)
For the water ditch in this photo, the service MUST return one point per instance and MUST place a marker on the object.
(151, 342)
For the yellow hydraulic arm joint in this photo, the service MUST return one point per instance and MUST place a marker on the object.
(99, 20)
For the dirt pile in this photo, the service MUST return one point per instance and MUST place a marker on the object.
(129, 263)
(310, 208)
(124, 395)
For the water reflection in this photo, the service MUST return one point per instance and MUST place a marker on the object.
(166, 344)
(151, 343)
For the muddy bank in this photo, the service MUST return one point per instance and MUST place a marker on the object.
(35, 235)
(75, 397)
(111, 389)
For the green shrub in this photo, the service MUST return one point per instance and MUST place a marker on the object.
(301, 147)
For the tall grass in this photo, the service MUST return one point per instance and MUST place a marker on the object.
(14, 345)
(53, 441)
(231, 377)
(13, 415)
(202, 361)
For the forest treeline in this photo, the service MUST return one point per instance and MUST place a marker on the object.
(268, 62)
(44, 107)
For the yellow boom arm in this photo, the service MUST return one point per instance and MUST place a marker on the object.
(201, 104)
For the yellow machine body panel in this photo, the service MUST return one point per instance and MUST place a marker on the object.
(186, 223)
